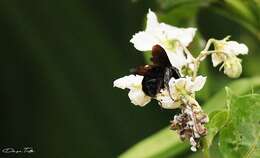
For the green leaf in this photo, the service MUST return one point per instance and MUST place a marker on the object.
(240, 137)
(166, 143)
(217, 121)
(239, 87)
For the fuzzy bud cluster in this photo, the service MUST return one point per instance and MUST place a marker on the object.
(190, 124)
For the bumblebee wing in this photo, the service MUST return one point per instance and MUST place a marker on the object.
(153, 81)
(142, 70)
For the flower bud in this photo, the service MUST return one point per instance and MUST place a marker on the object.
(232, 67)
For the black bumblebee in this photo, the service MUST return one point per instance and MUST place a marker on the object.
(158, 74)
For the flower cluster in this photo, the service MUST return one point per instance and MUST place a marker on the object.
(174, 84)
(226, 52)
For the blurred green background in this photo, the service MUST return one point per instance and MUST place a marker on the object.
(59, 60)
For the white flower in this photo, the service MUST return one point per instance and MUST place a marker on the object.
(184, 88)
(180, 88)
(226, 53)
(171, 38)
(134, 84)
(166, 101)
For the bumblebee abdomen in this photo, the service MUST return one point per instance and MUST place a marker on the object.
(152, 86)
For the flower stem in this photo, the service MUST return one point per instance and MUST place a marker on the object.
(203, 54)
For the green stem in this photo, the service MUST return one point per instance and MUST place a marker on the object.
(203, 54)
(206, 153)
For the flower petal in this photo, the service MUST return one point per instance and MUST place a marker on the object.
(178, 58)
(134, 83)
(184, 35)
(198, 83)
(138, 97)
(177, 84)
(130, 82)
(216, 59)
(152, 21)
(144, 41)
(235, 48)
(189, 84)
(233, 67)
